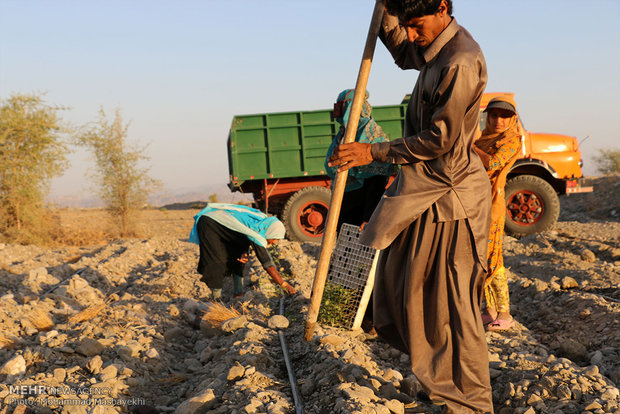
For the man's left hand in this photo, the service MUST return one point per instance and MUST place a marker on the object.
(346, 156)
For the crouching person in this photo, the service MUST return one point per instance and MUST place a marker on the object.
(224, 233)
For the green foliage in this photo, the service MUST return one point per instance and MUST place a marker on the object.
(32, 152)
(608, 161)
(337, 306)
(283, 266)
(123, 184)
(213, 198)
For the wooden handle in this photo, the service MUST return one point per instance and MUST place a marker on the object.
(329, 236)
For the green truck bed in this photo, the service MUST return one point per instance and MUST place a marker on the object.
(292, 144)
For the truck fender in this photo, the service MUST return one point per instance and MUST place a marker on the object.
(527, 165)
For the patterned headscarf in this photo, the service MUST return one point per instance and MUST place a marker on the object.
(490, 142)
(368, 131)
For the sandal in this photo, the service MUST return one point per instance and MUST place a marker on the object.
(487, 319)
(501, 324)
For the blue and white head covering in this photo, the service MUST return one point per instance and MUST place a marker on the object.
(275, 230)
(255, 224)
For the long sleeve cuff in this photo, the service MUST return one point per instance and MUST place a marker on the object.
(379, 151)
(268, 264)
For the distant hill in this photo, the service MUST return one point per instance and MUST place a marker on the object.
(167, 198)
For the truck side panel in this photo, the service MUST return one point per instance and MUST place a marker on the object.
(391, 118)
(292, 144)
(279, 145)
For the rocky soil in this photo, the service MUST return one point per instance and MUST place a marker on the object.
(136, 351)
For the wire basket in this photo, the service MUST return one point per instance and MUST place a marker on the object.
(350, 280)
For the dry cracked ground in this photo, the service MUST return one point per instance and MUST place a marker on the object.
(134, 351)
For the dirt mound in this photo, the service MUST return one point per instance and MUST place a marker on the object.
(602, 204)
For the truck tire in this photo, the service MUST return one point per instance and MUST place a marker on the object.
(305, 214)
(532, 205)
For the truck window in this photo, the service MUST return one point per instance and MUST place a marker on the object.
(483, 120)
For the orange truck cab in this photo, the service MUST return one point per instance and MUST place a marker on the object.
(550, 165)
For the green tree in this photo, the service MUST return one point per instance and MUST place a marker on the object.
(608, 161)
(213, 198)
(32, 151)
(123, 184)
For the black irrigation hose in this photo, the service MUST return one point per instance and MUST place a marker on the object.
(59, 284)
(299, 409)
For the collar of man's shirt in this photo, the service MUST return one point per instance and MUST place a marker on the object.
(440, 41)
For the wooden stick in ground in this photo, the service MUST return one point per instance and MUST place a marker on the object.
(329, 237)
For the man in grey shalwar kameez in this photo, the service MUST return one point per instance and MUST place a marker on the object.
(433, 221)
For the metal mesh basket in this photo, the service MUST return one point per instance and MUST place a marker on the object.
(350, 280)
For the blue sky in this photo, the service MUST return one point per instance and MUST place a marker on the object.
(179, 70)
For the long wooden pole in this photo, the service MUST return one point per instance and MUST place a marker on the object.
(329, 237)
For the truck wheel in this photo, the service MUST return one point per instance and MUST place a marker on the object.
(532, 205)
(305, 214)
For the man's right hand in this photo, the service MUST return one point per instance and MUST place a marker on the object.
(275, 276)
(350, 155)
